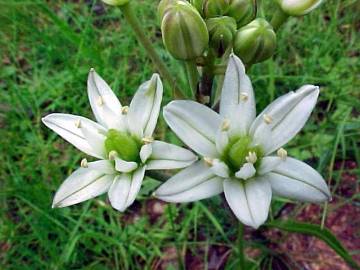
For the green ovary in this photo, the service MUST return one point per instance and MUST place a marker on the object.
(237, 151)
(126, 146)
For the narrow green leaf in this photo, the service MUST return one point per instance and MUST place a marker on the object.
(315, 230)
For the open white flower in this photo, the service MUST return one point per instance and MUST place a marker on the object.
(237, 148)
(121, 138)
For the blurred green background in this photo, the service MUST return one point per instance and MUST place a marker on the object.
(46, 51)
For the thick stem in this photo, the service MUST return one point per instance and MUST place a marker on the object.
(240, 241)
(207, 79)
(133, 21)
(278, 19)
(193, 75)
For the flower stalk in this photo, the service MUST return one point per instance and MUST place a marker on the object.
(278, 19)
(145, 42)
(193, 75)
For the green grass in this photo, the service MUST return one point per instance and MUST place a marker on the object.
(47, 49)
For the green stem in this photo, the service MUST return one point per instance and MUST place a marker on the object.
(278, 19)
(193, 75)
(133, 21)
(240, 240)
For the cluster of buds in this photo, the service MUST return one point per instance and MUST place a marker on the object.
(192, 27)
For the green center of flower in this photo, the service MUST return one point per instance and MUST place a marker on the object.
(126, 146)
(238, 150)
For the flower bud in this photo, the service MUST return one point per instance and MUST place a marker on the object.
(298, 7)
(116, 2)
(184, 32)
(243, 11)
(255, 42)
(215, 8)
(221, 31)
(164, 5)
(199, 5)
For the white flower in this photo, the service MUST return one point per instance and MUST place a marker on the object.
(237, 149)
(298, 7)
(121, 138)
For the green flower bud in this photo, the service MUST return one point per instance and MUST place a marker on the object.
(215, 8)
(298, 7)
(164, 5)
(199, 5)
(116, 2)
(243, 11)
(221, 31)
(255, 42)
(184, 32)
(123, 144)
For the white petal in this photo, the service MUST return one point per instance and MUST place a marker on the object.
(96, 138)
(268, 164)
(289, 114)
(84, 184)
(207, 189)
(125, 166)
(145, 152)
(297, 180)
(246, 171)
(105, 105)
(249, 200)
(145, 107)
(136, 181)
(119, 191)
(195, 124)
(68, 127)
(237, 98)
(169, 156)
(222, 141)
(186, 179)
(219, 168)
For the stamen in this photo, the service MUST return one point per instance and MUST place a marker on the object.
(112, 155)
(124, 109)
(78, 123)
(100, 101)
(92, 69)
(251, 157)
(244, 96)
(267, 118)
(208, 161)
(225, 125)
(282, 153)
(84, 163)
(147, 140)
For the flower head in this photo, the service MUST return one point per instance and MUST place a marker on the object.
(237, 149)
(122, 140)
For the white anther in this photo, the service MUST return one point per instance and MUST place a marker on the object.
(244, 96)
(78, 123)
(267, 118)
(124, 109)
(225, 125)
(282, 153)
(100, 101)
(147, 140)
(208, 161)
(112, 155)
(84, 163)
(251, 157)
(92, 69)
